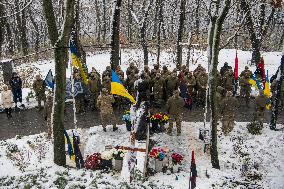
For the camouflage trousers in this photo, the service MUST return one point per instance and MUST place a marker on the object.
(79, 104)
(245, 93)
(40, 97)
(177, 119)
(108, 118)
(93, 100)
(227, 125)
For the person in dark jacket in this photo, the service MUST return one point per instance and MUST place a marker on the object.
(16, 86)
(143, 89)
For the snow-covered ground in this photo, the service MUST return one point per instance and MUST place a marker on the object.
(31, 162)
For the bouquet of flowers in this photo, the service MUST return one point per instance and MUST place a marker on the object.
(126, 116)
(176, 158)
(93, 161)
(157, 153)
(159, 118)
(107, 155)
(118, 154)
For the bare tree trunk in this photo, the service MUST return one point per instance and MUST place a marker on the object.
(159, 31)
(213, 76)
(76, 38)
(156, 20)
(129, 24)
(61, 57)
(37, 32)
(114, 58)
(98, 27)
(143, 31)
(2, 29)
(105, 22)
(180, 34)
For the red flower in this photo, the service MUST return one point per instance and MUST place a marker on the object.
(177, 158)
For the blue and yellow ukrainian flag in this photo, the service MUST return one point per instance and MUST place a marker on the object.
(117, 88)
(254, 82)
(266, 90)
(76, 62)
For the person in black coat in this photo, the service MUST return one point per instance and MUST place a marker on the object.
(16, 87)
(143, 89)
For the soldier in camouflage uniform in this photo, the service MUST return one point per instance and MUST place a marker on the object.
(171, 84)
(201, 82)
(119, 72)
(165, 73)
(104, 104)
(96, 72)
(245, 88)
(228, 80)
(154, 71)
(174, 107)
(199, 70)
(106, 83)
(158, 90)
(94, 86)
(47, 114)
(132, 68)
(107, 72)
(261, 101)
(191, 83)
(39, 88)
(129, 82)
(147, 70)
(228, 106)
(246, 71)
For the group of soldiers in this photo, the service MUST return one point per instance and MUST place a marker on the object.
(158, 86)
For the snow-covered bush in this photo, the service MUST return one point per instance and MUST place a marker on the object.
(255, 127)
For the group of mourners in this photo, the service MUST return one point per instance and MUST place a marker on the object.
(165, 90)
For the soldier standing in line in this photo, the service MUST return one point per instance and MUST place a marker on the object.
(39, 88)
(245, 88)
(104, 104)
(174, 107)
(246, 71)
(261, 101)
(171, 84)
(16, 87)
(132, 68)
(158, 90)
(107, 72)
(228, 107)
(106, 82)
(228, 80)
(47, 114)
(94, 86)
(201, 82)
(119, 72)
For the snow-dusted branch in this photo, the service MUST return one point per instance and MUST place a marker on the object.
(235, 34)
(28, 4)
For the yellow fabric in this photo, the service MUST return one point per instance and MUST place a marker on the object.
(118, 89)
(267, 94)
(76, 63)
(71, 140)
(253, 83)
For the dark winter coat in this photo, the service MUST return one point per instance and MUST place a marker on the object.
(16, 83)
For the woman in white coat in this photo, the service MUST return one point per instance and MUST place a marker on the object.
(7, 102)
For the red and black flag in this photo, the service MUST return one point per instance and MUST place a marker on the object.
(193, 172)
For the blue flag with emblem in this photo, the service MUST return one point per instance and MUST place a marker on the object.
(49, 80)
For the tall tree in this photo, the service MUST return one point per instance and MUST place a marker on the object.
(180, 33)
(59, 41)
(22, 26)
(159, 30)
(143, 30)
(257, 29)
(214, 36)
(114, 57)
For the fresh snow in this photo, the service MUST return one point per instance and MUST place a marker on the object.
(33, 161)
